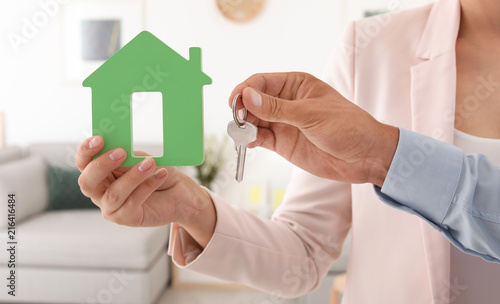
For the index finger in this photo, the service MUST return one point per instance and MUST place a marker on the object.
(282, 85)
(87, 150)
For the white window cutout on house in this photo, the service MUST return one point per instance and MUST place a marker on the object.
(147, 123)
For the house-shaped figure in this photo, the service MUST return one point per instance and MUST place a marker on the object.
(146, 64)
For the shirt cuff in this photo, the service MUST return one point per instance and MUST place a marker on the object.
(423, 176)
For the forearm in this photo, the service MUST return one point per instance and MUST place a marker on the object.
(200, 219)
(249, 250)
(287, 255)
(457, 194)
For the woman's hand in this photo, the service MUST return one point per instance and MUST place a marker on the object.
(311, 125)
(143, 195)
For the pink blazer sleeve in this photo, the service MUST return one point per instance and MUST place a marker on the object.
(289, 254)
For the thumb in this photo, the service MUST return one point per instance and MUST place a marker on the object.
(270, 108)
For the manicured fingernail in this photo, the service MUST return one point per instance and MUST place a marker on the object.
(161, 173)
(255, 98)
(117, 154)
(94, 142)
(145, 164)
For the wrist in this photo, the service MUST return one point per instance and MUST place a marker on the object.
(382, 153)
(198, 215)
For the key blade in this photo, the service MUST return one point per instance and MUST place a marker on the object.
(240, 163)
(241, 136)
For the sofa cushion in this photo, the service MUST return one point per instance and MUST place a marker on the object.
(82, 238)
(64, 192)
(10, 154)
(56, 154)
(27, 179)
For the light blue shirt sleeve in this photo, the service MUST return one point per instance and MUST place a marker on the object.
(457, 194)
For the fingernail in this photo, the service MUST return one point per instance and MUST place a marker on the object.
(94, 142)
(145, 164)
(117, 154)
(255, 98)
(241, 114)
(161, 173)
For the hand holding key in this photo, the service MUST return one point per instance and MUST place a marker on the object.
(311, 125)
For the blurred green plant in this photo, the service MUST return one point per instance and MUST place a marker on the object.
(215, 157)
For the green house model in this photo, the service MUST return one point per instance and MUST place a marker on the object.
(146, 64)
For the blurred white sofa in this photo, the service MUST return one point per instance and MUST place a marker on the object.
(73, 256)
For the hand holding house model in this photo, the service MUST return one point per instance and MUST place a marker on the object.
(146, 64)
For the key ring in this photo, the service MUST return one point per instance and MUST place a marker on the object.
(238, 122)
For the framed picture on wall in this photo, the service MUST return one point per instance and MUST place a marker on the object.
(93, 30)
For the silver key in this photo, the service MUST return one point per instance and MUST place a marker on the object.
(241, 136)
